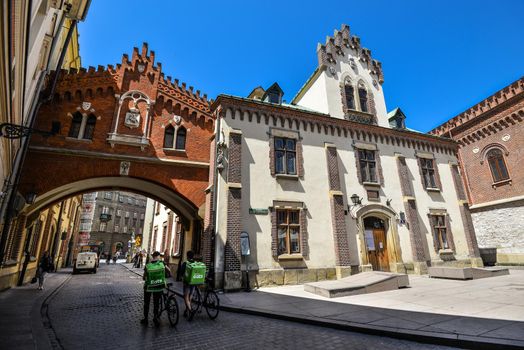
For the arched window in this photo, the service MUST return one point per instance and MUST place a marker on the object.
(75, 125)
(90, 127)
(349, 91)
(497, 165)
(181, 138)
(169, 136)
(363, 98)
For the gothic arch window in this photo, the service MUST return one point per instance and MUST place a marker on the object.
(349, 94)
(76, 124)
(497, 165)
(181, 138)
(363, 97)
(169, 136)
(90, 127)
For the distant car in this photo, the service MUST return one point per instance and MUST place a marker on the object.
(86, 261)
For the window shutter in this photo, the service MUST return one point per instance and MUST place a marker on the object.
(449, 234)
(304, 248)
(437, 175)
(379, 168)
(357, 163)
(419, 161)
(272, 155)
(432, 230)
(300, 159)
(274, 238)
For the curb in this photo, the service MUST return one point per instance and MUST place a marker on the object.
(447, 339)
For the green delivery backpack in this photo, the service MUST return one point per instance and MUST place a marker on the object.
(156, 277)
(195, 273)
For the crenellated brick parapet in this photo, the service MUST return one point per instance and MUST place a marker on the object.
(338, 47)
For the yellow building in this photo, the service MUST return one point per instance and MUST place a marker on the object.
(35, 36)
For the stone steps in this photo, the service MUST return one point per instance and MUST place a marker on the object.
(466, 273)
(362, 283)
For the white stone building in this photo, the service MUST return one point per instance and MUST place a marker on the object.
(332, 184)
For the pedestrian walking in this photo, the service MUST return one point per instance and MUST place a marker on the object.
(188, 289)
(44, 266)
(115, 257)
(155, 274)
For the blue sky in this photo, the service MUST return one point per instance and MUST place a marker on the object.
(439, 57)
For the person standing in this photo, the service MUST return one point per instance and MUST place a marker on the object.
(188, 289)
(155, 274)
(44, 265)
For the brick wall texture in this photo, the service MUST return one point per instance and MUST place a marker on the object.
(232, 250)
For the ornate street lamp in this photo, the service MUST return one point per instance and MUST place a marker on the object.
(356, 199)
(15, 131)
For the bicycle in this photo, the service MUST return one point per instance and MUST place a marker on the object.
(211, 302)
(170, 305)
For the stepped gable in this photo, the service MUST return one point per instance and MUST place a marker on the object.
(337, 46)
(485, 107)
(103, 81)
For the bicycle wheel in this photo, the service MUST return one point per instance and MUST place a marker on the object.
(172, 310)
(196, 300)
(212, 304)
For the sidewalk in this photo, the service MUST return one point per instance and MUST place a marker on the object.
(485, 313)
(23, 311)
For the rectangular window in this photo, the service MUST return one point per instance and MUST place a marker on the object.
(439, 230)
(157, 210)
(125, 229)
(105, 210)
(127, 214)
(129, 200)
(108, 195)
(121, 199)
(368, 165)
(117, 228)
(428, 172)
(103, 227)
(142, 216)
(285, 156)
(288, 231)
(135, 215)
(118, 212)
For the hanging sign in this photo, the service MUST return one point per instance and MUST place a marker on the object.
(258, 211)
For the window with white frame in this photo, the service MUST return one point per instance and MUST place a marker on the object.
(108, 195)
(103, 227)
(285, 156)
(118, 212)
(82, 126)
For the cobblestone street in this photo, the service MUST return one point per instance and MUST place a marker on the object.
(103, 310)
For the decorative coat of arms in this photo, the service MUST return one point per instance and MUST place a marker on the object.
(177, 119)
(132, 119)
(86, 105)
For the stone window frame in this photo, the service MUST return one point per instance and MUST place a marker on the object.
(102, 227)
(85, 123)
(299, 158)
(303, 232)
(360, 146)
(175, 144)
(503, 154)
(347, 81)
(436, 173)
(362, 86)
(433, 213)
(116, 228)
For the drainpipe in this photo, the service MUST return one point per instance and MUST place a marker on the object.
(22, 152)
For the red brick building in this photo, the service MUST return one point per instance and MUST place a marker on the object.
(491, 148)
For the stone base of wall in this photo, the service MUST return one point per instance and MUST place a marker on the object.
(278, 277)
(343, 271)
(476, 262)
(232, 280)
(516, 259)
(453, 263)
(7, 281)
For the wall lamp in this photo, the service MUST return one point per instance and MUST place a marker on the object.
(356, 199)
(15, 131)
(30, 198)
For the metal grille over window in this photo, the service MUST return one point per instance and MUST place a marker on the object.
(497, 165)
(288, 226)
(428, 173)
(368, 165)
(285, 156)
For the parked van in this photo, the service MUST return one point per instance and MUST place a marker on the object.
(86, 261)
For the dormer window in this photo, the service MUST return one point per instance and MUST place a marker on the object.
(273, 94)
(397, 119)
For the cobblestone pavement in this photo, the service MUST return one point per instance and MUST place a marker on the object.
(102, 311)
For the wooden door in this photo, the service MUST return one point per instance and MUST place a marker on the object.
(381, 249)
(377, 249)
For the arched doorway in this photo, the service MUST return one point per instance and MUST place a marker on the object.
(376, 243)
(378, 238)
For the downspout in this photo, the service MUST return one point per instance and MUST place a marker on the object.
(21, 154)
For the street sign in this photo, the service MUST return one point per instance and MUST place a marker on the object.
(258, 211)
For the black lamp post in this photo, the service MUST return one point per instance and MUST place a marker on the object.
(15, 131)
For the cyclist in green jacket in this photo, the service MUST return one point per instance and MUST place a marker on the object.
(155, 274)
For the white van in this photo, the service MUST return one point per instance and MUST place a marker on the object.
(86, 261)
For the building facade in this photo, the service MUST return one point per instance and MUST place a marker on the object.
(332, 184)
(118, 222)
(36, 37)
(490, 136)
